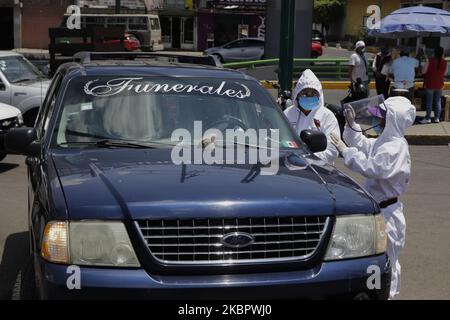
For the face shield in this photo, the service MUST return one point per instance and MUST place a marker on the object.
(370, 113)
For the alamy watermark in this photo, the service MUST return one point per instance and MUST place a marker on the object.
(374, 280)
(73, 281)
(74, 18)
(235, 147)
(374, 18)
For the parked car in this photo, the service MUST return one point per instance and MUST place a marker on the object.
(130, 42)
(21, 85)
(249, 49)
(10, 117)
(318, 37)
(316, 50)
(109, 204)
(239, 50)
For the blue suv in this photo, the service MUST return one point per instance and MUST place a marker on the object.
(112, 216)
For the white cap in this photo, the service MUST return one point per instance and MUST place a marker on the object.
(360, 44)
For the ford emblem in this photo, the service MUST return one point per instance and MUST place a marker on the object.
(237, 240)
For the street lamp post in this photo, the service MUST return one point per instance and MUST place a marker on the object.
(286, 44)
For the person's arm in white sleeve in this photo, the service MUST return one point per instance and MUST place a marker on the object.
(353, 137)
(330, 126)
(386, 163)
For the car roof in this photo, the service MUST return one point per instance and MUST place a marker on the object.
(153, 68)
(8, 53)
(257, 39)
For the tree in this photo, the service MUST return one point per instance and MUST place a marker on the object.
(326, 11)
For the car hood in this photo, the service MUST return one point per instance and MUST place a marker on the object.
(142, 184)
(7, 111)
(38, 84)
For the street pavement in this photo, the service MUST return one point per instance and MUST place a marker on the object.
(425, 260)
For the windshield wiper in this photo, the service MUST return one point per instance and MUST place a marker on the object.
(107, 143)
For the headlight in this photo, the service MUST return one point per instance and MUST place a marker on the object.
(20, 119)
(90, 244)
(357, 236)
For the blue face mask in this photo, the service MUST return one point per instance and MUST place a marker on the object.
(378, 130)
(309, 103)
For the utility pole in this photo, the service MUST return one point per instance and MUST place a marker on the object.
(117, 6)
(286, 44)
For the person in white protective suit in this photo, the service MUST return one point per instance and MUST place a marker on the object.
(386, 164)
(309, 112)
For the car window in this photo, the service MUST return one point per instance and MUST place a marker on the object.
(235, 44)
(47, 107)
(154, 24)
(17, 69)
(150, 109)
(255, 43)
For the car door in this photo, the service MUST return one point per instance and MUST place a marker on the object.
(254, 49)
(35, 164)
(233, 51)
(5, 90)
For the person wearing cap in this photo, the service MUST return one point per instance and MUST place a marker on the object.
(358, 67)
(385, 162)
(309, 113)
(403, 71)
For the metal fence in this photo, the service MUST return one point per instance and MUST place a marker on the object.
(336, 69)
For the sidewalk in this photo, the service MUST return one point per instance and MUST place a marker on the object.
(430, 134)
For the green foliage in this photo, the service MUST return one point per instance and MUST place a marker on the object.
(327, 10)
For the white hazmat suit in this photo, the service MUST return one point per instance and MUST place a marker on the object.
(386, 164)
(320, 119)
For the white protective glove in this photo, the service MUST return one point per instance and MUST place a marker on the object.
(350, 116)
(338, 143)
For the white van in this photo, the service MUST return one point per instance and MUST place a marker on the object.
(146, 27)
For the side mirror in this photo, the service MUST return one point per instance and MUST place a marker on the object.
(315, 140)
(22, 141)
(2, 86)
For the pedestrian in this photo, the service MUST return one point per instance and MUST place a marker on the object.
(404, 70)
(358, 68)
(386, 164)
(382, 81)
(434, 72)
(309, 112)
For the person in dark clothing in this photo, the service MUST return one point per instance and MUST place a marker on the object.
(382, 81)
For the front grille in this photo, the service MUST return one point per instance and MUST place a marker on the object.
(201, 241)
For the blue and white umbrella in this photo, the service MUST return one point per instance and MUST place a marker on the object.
(412, 22)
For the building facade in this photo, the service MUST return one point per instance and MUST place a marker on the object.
(222, 21)
(200, 24)
(25, 23)
(356, 16)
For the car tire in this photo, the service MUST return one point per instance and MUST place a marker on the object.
(25, 285)
(29, 118)
(2, 156)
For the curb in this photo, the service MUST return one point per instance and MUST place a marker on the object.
(425, 139)
(428, 140)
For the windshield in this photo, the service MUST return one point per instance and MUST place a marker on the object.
(18, 69)
(150, 109)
